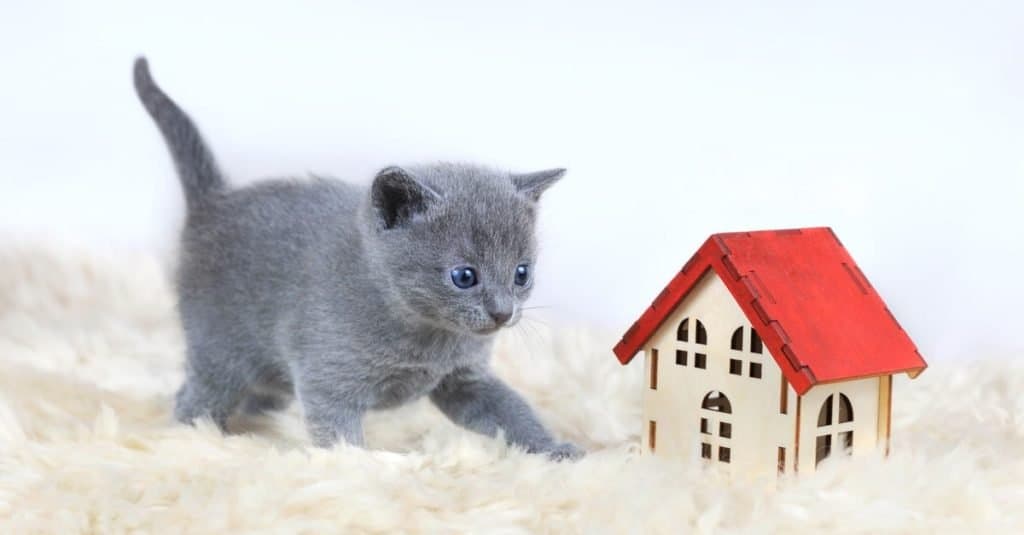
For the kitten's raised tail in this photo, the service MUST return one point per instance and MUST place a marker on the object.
(197, 169)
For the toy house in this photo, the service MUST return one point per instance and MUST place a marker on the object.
(768, 351)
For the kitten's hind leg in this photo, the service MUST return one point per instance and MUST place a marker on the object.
(198, 398)
(261, 402)
(224, 360)
(274, 393)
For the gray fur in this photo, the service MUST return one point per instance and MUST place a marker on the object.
(196, 166)
(342, 295)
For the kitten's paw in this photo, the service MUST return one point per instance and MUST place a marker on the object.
(565, 451)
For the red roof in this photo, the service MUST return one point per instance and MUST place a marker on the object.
(818, 315)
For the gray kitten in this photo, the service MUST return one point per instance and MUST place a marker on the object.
(351, 298)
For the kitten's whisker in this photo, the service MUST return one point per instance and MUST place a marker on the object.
(517, 329)
(538, 320)
(531, 348)
(533, 330)
(520, 333)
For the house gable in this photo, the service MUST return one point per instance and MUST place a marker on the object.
(823, 426)
(705, 362)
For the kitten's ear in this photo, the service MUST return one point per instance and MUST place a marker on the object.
(533, 184)
(399, 198)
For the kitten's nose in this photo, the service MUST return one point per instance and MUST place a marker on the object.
(500, 317)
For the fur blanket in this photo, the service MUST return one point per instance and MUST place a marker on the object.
(91, 353)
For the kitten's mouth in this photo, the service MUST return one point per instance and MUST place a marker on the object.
(494, 328)
(488, 330)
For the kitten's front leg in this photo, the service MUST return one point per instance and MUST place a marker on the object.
(332, 412)
(328, 426)
(475, 399)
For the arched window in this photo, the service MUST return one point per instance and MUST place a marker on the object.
(692, 338)
(835, 424)
(755, 347)
(737, 340)
(845, 411)
(716, 427)
(683, 334)
(716, 401)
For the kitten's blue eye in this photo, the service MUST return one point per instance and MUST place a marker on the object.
(464, 277)
(522, 274)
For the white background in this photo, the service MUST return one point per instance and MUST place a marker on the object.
(899, 124)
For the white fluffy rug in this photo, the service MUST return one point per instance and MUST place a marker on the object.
(90, 353)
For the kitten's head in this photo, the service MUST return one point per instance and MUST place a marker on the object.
(455, 244)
